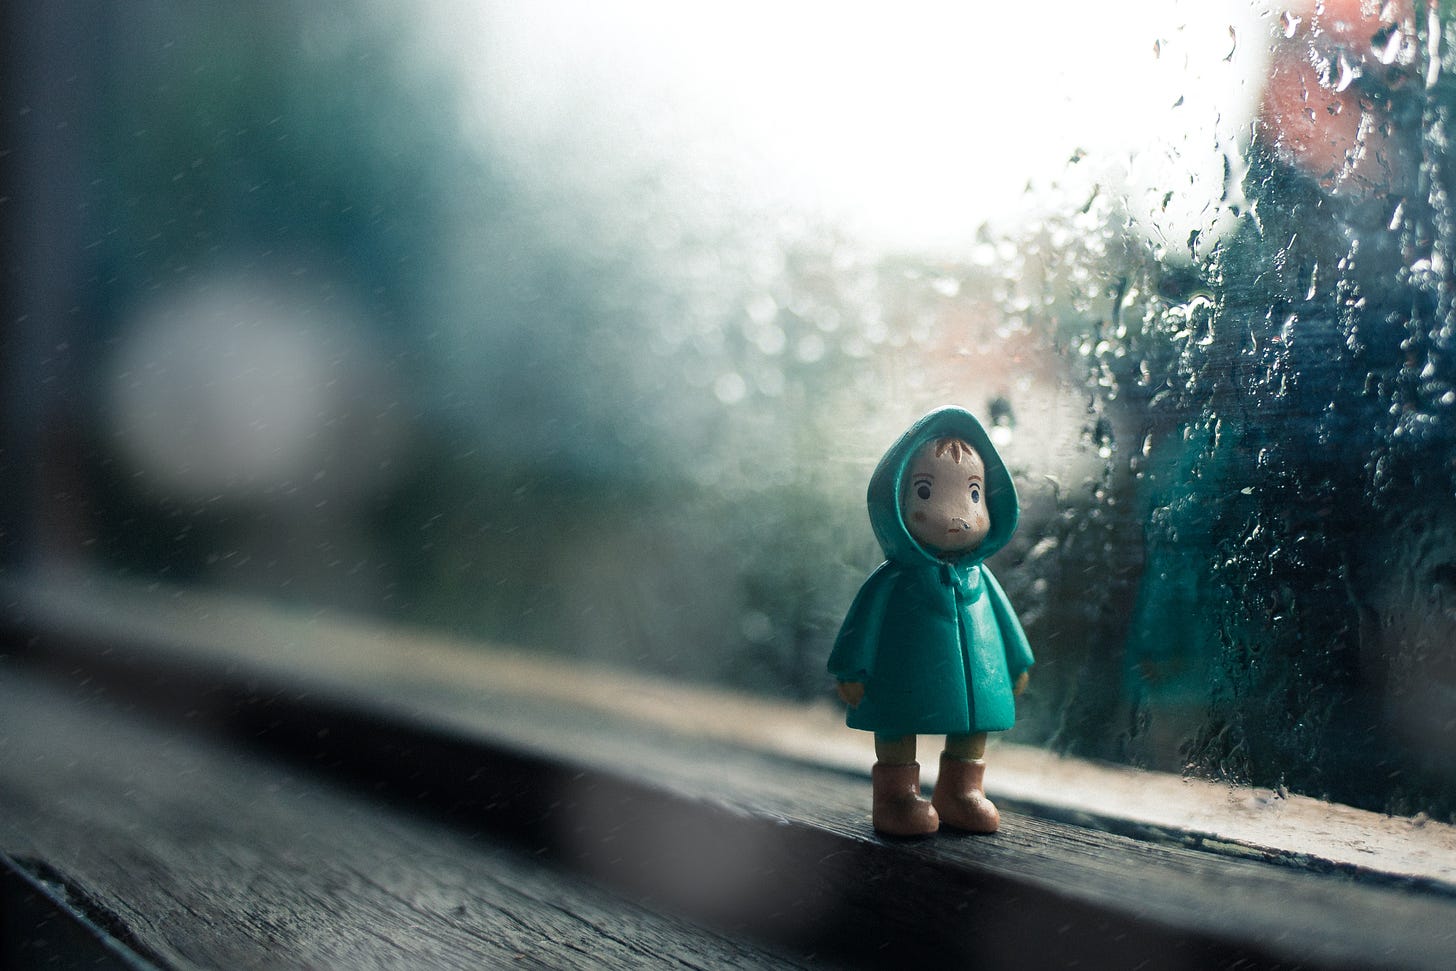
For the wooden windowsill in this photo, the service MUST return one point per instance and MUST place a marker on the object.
(416, 715)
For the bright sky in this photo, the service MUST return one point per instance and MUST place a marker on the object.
(909, 125)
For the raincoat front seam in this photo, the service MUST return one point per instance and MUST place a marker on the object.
(964, 645)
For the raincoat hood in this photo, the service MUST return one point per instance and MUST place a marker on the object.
(886, 487)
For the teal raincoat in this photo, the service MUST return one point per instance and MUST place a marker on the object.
(934, 640)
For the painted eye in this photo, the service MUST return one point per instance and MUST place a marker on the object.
(923, 490)
(975, 493)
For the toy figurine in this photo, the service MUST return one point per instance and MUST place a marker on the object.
(930, 645)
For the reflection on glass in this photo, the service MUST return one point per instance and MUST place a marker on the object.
(581, 326)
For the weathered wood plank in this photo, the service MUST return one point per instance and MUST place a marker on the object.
(423, 671)
(784, 852)
(213, 858)
(779, 849)
(41, 925)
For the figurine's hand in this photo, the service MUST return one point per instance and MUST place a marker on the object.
(851, 692)
(1020, 684)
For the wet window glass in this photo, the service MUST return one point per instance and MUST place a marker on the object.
(581, 327)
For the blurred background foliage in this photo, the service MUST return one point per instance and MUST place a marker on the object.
(353, 330)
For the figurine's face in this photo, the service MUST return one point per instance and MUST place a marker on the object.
(944, 498)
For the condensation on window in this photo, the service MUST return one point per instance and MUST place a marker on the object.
(582, 326)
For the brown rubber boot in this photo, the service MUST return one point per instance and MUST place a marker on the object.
(960, 798)
(900, 810)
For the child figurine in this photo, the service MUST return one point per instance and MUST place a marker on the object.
(930, 645)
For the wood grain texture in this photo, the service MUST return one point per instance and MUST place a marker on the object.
(428, 672)
(761, 847)
(43, 923)
(213, 858)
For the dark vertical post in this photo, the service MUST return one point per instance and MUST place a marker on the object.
(49, 71)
